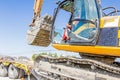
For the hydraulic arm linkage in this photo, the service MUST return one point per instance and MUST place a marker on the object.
(37, 10)
(39, 31)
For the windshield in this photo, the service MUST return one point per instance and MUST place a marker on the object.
(77, 30)
(84, 16)
(85, 9)
(61, 21)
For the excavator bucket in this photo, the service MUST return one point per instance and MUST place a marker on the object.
(38, 34)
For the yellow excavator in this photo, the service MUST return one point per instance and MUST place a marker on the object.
(94, 33)
(91, 31)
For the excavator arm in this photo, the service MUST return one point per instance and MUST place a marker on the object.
(39, 31)
(37, 7)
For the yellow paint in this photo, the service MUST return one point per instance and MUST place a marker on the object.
(80, 29)
(101, 22)
(83, 27)
(6, 63)
(119, 22)
(118, 33)
(22, 66)
(16, 64)
(96, 50)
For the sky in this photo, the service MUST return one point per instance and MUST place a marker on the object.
(15, 17)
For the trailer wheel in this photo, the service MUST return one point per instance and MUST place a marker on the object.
(3, 70)
(13, 72)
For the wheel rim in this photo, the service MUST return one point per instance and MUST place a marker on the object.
(3, 70)
(13, 72)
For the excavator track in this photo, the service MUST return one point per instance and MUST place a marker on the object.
(75, 64)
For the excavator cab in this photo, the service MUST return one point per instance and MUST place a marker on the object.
(92, 30)
(84, 16)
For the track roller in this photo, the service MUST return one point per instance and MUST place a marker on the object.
(3, 70)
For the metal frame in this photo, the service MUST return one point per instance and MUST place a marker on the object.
(115, 11)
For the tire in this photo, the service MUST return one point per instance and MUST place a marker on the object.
(15, 73)
(3, 70)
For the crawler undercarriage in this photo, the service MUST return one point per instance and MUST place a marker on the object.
(69, 68)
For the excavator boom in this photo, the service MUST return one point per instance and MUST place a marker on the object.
(39, 31)
(37, 7)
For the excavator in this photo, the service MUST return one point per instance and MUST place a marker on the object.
(80, 26)
(94, 33)
(91, 31)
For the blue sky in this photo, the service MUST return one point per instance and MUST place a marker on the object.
(15, 16)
